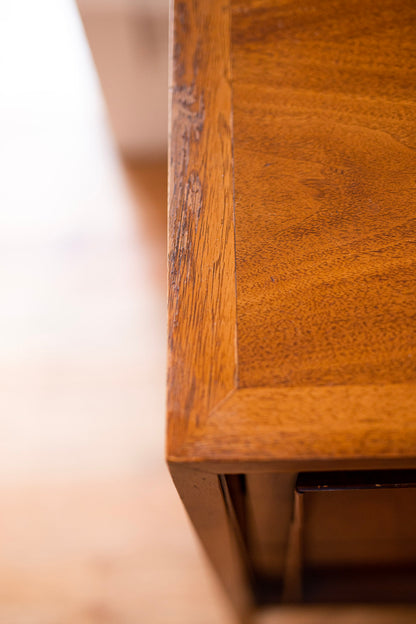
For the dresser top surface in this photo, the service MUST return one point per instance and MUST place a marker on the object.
(292, 230)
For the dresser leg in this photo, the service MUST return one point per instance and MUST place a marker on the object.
(206, 499)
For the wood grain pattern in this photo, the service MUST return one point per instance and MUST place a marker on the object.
(202, 325)
(292, 295)
(202, 312)
(342, 427)
(325, 191)
(324, 171)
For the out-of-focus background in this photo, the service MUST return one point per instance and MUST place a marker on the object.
(91, 528)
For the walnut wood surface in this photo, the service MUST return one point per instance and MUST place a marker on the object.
(298, 428)
(325, 201)
(202, 315)
(323, 363)
(205, 499)
(292, 298)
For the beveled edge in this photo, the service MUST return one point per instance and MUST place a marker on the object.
(202, 365)
(292, 429)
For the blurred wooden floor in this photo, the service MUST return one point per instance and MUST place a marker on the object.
(91, 529)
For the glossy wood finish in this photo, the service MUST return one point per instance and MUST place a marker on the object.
(202, 318)
(325, 192)
(324, 223)
(292, 334)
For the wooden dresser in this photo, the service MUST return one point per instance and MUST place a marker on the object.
(292, 295)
